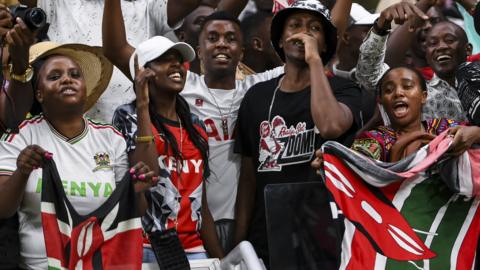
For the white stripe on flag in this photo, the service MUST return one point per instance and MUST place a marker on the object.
(405, 190)
(52, 262)
(419, 157)
(434, 227)
(64, 228)
(127, 225)
(48, 208)
(347, 244)
(380, 262)
(463, 231)
(464, 169)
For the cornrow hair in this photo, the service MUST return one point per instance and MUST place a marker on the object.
(183, 111)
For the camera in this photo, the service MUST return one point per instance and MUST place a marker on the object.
(34, 18)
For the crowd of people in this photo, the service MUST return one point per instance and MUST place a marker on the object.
(203, 103)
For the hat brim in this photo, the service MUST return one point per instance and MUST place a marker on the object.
(96, 68)
(367, 20)
(278, 23)
(187, 52)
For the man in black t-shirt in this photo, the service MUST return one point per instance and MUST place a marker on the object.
(282, 121)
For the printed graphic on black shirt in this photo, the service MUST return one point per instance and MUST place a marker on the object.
(281, 145)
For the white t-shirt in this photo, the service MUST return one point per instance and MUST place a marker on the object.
(87, 173)
(80, 21)
(224, 164)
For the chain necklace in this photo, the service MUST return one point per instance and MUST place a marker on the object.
(273, 99)
(223, 117)
(179, 171)
(179, 165)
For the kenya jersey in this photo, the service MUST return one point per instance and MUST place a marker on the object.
(176, 201)
(91, 164)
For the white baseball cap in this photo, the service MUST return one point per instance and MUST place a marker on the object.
(360, 16)
(156, 46)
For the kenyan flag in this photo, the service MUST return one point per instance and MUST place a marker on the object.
(419, 213)
(108, 238)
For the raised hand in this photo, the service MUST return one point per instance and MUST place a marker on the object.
(5, 20)
(309, 43)
(19, 39)
(143, 177)
(31, 158)
(317, 163)
(463, 138)
(403, 12)
(142, 79)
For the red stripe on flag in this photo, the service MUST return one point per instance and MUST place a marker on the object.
(467, 250)
(54, 242)
(363, 254)
(127, 257)
(474, 156)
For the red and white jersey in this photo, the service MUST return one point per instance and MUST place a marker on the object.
(89, 166)
(224, 164)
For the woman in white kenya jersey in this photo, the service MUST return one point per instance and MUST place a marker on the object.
(91, 157)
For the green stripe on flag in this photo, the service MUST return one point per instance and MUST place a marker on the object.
(448, 232)
(420, 209)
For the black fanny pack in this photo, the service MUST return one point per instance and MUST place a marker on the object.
(168, 250)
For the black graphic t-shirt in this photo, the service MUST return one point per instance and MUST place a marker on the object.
(283, 146)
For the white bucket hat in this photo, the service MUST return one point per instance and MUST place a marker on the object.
(156, 46)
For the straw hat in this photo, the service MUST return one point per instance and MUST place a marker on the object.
(96, 68)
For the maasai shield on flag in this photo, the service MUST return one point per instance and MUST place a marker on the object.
(400, 215)
(108, 238)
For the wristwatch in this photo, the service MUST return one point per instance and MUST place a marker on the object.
(23, 78)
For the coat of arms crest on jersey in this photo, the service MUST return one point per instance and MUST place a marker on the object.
(102, 160)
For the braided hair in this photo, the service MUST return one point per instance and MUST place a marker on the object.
(183, 112)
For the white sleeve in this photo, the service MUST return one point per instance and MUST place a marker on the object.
(10, 147)
(120, 163)
(158, 17)
(261, 77)
(371, 62)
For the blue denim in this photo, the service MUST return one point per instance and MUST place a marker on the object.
(149, 256)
